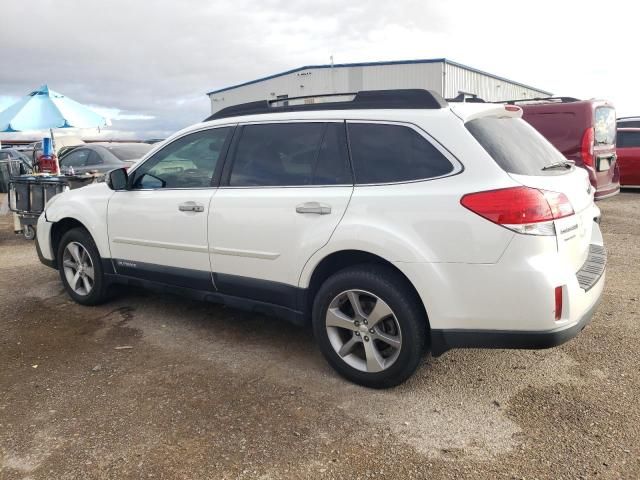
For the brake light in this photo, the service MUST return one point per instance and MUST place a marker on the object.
(586, 149)
(558, 295)
(521, 209)
(512, 108)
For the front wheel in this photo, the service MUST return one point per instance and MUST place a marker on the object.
(80, 268)
(370, 325)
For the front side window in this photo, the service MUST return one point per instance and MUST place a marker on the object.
(77, 158)
(383, 153)
(94, 159)
(290, 154)
(130, 152)
(188, 162)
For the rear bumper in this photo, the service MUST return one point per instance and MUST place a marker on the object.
(609, 192)
(443, 340)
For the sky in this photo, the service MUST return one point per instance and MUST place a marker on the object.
(148, 65)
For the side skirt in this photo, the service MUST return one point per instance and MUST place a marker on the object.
(241, 303)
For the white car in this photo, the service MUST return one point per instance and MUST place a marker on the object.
(393, 222)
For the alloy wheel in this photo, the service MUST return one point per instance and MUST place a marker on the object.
(363, 331)
(78, 268)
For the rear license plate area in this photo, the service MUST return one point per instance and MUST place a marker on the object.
(604, 164)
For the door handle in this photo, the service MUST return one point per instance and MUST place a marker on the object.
(190, 207)
(313, 207)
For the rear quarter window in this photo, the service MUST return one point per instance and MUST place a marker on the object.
(515, 145)
(384, 153)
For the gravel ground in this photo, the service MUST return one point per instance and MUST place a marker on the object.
(151, 386)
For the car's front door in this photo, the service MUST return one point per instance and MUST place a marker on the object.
(158, 226)
(284, 188)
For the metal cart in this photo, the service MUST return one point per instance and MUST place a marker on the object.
(28, 195)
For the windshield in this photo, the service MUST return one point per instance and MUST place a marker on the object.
(129, 152)
(605, 126)
(516, 146)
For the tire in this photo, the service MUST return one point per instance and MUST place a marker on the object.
(77, 243)
(29, 232)
(365, 358)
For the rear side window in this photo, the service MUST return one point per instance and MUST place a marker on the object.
(291, 154)
(515, 145)
(383, 153)
(605, 126)
(628, 139)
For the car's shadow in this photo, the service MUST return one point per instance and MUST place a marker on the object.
(255, 344)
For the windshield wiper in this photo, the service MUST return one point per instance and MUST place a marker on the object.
(561, 164)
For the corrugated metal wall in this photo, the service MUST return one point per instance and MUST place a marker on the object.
(317, 81)
(462, 80)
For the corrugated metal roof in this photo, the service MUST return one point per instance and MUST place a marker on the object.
(370, 64)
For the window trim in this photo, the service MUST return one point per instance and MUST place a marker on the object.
(215, 178)
(231, 155)
(458, 167)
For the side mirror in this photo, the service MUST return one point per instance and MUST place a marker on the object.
(117, 179)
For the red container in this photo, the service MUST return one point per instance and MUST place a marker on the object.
(48, 164)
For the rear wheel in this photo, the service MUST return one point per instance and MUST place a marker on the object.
(370, 326)
(80, 268)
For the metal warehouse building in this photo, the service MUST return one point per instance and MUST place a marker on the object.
(448, 78)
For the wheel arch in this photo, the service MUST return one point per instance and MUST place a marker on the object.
(59, 228)
(341, 259)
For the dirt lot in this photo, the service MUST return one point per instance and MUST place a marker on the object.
(153, 386)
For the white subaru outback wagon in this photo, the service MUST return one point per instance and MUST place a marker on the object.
(392, 221)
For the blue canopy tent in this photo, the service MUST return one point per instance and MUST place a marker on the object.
(44, 109)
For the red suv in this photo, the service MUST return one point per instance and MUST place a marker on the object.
(629, 155)
(584, 131)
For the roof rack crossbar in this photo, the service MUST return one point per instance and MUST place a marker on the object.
(363, 100)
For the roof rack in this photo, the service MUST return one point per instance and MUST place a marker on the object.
(542, 100)
(466, 98)
(363, 100)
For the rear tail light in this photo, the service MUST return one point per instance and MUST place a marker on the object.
(521, 209)
(586, 148)
(558, 295)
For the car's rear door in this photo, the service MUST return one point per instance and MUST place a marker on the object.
(285, 187)
(158, 227)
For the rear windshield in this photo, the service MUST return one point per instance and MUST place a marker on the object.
(515, 145)
(130, 152)
(605, 126)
